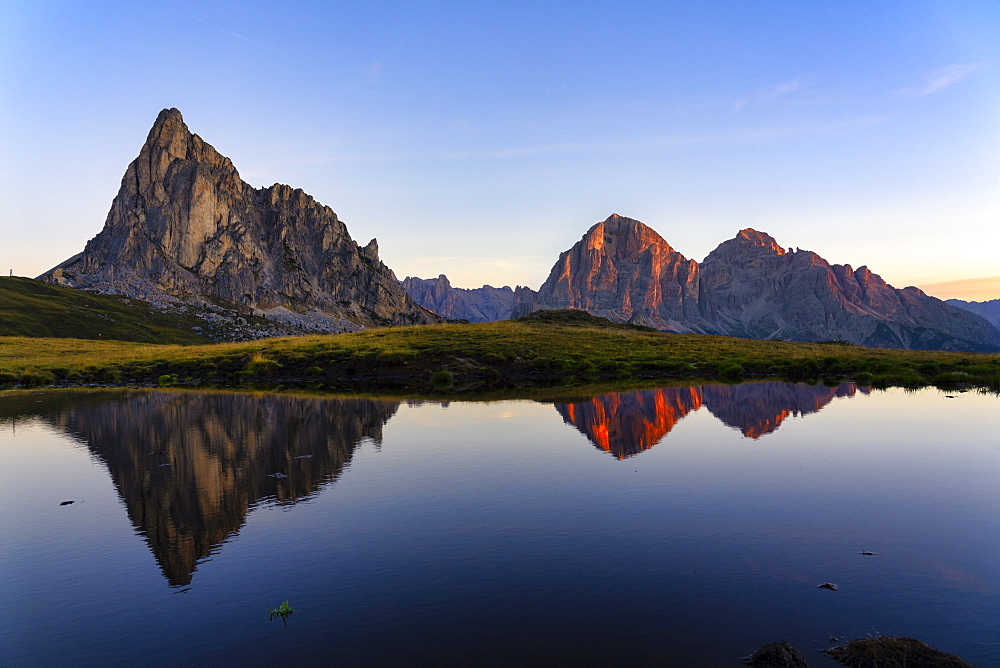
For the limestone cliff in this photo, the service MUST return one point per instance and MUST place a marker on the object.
(185, 225)
(485, 304)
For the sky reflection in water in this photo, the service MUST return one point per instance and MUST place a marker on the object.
(491, 532)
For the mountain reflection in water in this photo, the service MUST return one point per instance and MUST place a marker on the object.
(627, 423)
(190, 465)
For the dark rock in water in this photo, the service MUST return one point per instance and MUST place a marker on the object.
(893, 652)
(776, 655)
(829, 585)
(66, 503)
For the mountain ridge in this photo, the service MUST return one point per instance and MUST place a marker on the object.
(748, 286)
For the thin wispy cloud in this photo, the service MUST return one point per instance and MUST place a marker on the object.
(735, 138)
(940, 79)
(983, 288)
(769, 94)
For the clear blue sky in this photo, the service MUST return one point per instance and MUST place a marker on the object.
(480, 139)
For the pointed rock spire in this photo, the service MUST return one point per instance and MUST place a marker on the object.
(185, 225)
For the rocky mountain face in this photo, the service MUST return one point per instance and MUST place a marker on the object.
(748, 287)
(184, 226)
(754, 288)
(989, 309)
(485, 304)
(624, 271)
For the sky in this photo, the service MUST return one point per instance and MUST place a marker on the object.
(481, 139)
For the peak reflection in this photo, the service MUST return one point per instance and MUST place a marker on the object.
(627, 423)
(190, 465)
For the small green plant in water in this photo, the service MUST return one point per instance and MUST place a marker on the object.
(284, 611)
(442, 380)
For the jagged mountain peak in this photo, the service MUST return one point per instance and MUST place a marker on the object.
(749, 286)
(747, 240)
(617, 234)
(759, 239)
(185, 226)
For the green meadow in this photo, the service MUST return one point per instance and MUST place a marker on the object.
(33, 308)
(547, 349)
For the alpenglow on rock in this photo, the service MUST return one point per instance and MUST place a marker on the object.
(748, 287)
(624, 271)
(184, 225)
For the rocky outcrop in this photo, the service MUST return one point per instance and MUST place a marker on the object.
(485, 304)
(185, 226)
(748, 287)
(989, 309)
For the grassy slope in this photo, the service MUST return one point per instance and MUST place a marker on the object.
(481, 358)
(33, 308)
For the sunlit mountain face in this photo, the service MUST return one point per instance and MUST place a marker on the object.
(190, 465)
(627, 423)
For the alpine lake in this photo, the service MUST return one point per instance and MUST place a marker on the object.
(681, 526)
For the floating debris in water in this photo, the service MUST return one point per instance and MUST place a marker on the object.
(276, 475)
(284, 611)
(829, 585)
(868, 554)
(66, 503)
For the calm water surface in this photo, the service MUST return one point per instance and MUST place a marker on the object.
(678, 526)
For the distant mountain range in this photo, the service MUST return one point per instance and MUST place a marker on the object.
(185, 233)
(485, 304)
(748, 287)
(989, 310)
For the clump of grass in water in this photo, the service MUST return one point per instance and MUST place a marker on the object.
(442, 380)
(284, 611)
